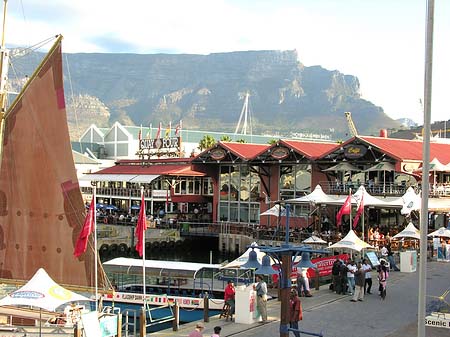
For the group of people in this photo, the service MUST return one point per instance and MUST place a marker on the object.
(356, 278)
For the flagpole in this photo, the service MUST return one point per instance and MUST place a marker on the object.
(350, 214)
(94, 193)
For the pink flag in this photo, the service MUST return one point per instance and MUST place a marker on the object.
(359, 211)
(88, 228)
(140, 228)
(158, 133)
(345, 209)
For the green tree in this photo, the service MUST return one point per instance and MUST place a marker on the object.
(226, 139)
(206, 142)
(241, 141)
(272, 141)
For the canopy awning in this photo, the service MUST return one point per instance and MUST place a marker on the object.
(317, 196)
(132, 178)
(175, 269)
(381, 166)
(351, 241)
(343, 166)
(441, 232)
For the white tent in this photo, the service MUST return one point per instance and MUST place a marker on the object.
(410, 231)
(275, 211)
(318, 196)
(237, 263)
(42, 292)
(411, 201)
(441, 232)
(314, 239)
(369, 200)
(351, 241)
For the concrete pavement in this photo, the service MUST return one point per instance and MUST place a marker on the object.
(335, 315)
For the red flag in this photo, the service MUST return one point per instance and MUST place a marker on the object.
(140, 228)
(88, 228)
(178, 129)
(345, 209)
(359, 211)
(158, 133)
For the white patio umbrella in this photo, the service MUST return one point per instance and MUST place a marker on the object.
(411, 201)
(410, 231)
(382, 166)
(343, 167)
(351, 241)
(441, 232)
(314, 239)
(318, 196)
(238, 262)
(276, 210)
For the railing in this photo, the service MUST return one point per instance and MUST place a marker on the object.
(388, 188)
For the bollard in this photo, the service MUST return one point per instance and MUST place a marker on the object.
(176, 316)
(119, 325)
(206, 307)
(317, 279)
(143, 323)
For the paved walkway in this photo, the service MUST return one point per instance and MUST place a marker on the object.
(334, 315)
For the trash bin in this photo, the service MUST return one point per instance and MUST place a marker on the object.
(245, 310)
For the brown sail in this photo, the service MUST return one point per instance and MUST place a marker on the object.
(41, 208)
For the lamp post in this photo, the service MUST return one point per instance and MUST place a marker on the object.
(284, 255)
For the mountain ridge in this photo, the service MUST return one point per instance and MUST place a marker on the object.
(206, 92)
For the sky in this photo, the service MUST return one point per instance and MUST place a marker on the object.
(382, 42)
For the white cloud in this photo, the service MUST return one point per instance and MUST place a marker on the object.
(379, 41)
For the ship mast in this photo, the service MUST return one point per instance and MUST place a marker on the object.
(4, 63)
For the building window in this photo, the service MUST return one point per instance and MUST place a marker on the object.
(239, 194)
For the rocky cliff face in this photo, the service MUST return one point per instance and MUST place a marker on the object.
(206, 92)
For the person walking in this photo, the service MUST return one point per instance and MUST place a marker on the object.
(229, 295)
(295, 311)
(367, 277)
(303, 283)
(198, 331)
(359, 284)
(261, 297)
(383, 274)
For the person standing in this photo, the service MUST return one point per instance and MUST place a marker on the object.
(390, 256)
(217, 330)
(367, 277)
(261, 297)
(229, 295)
(359, 284)
(382, 279)
(295, 311)
(303, 283)
(351, 270)
(335, 275)
(198, 331)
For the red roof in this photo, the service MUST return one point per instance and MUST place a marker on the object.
(156, 169)
(402, 149)
(243, 150)
(310, 149)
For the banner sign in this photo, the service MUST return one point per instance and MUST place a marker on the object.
(325, 264)
(170, 147)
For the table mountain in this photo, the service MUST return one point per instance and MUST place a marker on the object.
(207, 91)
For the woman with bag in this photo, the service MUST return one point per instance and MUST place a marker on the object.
(295, 311)
(383, 274)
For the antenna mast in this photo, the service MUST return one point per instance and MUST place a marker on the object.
(244, 114)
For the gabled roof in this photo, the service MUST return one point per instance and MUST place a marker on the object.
(409, 149)
(243, 150)
(399, 149)
(310, 149)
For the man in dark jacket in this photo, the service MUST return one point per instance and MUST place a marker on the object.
(359, 283)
